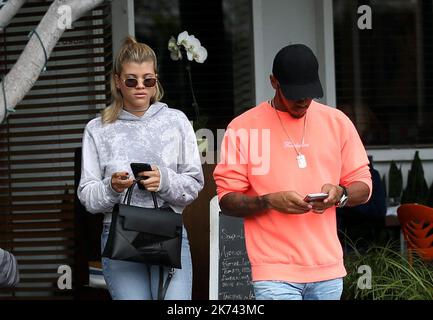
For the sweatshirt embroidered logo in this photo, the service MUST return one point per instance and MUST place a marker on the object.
(288, 144)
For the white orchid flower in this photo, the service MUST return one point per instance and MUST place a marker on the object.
(200, 55)
(176, 55)
(182, 38)
(190, 55)
(192, 44)
(172, 45)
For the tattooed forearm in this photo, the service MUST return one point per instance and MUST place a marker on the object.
(241, 205)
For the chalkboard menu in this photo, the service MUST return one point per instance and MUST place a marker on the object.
(234, 279)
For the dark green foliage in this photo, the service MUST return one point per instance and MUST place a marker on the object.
(416, 190)
(430, 196)
(395, 181)
(392, 277)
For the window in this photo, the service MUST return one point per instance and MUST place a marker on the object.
(224, 83)
(384, 76)
(37, 147)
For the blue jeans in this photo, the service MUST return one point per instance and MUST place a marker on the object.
(280, 290)
(138, 281)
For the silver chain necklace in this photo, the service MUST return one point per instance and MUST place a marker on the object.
(300, 158)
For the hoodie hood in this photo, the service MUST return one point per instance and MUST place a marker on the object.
(153, 109)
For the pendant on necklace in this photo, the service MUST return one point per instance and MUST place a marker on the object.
(302, 162)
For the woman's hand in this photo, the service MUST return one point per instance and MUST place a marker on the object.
(153, 181)
(121, 181)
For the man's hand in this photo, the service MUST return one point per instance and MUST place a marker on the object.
(287, 202)
(241, 205)
(121, 181)
(334, 194)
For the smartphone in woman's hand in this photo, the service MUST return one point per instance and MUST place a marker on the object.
(138, 167)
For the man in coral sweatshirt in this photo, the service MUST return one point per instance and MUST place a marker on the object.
(275, 154)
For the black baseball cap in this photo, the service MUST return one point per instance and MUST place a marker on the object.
(296, 69)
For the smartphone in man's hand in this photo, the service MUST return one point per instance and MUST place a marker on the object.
(312, 197)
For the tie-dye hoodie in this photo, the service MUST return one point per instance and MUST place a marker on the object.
(163, 137)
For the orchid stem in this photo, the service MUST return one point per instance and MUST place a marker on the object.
(194, 103)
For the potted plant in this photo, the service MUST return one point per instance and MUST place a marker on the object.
(190, 46)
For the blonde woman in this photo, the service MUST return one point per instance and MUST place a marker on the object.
(137, 127)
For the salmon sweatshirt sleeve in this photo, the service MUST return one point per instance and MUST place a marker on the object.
(259, 157)
(163, 137)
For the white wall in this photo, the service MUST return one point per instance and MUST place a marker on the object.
(122, 14)
(403, 158)
(278, 23)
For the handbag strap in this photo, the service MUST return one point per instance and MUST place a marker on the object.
(162, 288)
(128, 195)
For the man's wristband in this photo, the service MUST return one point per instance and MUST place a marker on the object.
(344, 198)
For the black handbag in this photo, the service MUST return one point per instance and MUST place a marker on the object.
(152, 236)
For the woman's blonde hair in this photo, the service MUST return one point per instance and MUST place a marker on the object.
(131, 51)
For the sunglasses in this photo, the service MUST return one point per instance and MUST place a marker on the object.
(132, 82)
